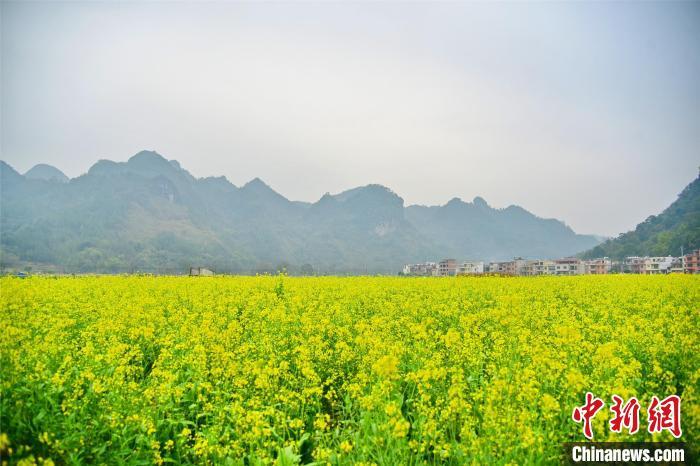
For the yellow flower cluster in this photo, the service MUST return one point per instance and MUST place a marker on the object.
(364, 370)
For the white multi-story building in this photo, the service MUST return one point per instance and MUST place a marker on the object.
(540, 267)
(492, 267)
(657, 265)
(470, 267)
(513, 267)
(568, 266)
(426, 269)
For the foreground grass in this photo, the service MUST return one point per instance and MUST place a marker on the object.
(260, 370)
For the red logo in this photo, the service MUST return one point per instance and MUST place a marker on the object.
(662, 415)
(626, 415)
(586, 413)
(665, 415)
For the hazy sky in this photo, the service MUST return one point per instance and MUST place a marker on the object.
(589, 113)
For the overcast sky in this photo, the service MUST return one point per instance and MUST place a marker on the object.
(589, 113)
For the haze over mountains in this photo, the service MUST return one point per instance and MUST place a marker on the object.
(150, 214)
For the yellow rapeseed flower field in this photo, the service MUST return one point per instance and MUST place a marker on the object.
(365, 370)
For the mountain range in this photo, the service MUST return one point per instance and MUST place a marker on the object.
(149, 214)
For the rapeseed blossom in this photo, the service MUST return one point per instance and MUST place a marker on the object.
(364, 370)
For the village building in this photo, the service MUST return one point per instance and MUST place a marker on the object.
(599, 266)
(447, 267)
(470, 268)
(568, 266)
(657, 265)
(426, 269)
(633, 264)
(540, 267)
(676, 265)
(691, 262)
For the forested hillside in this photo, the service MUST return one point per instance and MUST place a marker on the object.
(660, 235)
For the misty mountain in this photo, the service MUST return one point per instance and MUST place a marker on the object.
(150, 214)
(474, 229)
(46, 172)
(660, 235)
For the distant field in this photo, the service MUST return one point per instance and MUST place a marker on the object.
(261, 370)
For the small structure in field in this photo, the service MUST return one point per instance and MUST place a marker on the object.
(200, 272)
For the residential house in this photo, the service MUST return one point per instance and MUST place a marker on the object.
(691, 262)
(633, 264)
(426, 269)
(540, 267)
(568, 266)
(657, 265)
(447, 267)
(470, 268)
(600, 266)
(676, 265)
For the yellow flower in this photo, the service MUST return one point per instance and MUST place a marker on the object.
(487, 366)
(387, 366)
